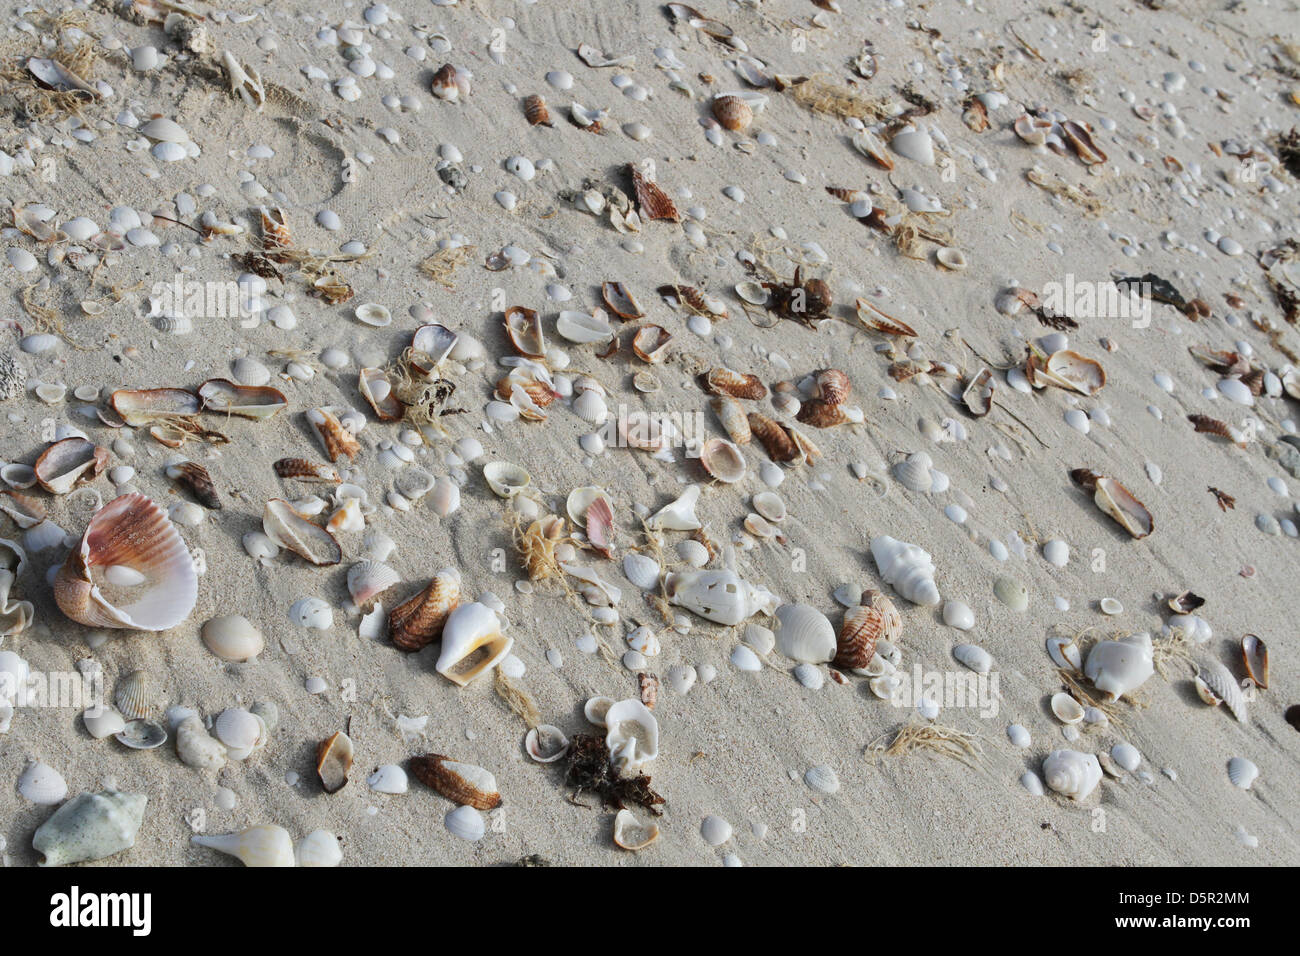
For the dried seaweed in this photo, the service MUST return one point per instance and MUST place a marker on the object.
(516, 698)
(1222, 499)
(935, 738)
(442, 265)
(820, 95)
(589, 770)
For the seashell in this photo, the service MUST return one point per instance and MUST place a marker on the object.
(863, 626)
(650, 344)
(320, 848)
(584, 328)
(1216, 684)
(590, 406)
(679, 515)
(732, 112)
(915, 472)
(974, 657)
(103, 722)
(129, 532)
(723, 460)
(25, 510)
(368, 580)
(775, 439)
(1080, 139)
(978, 395)
(304, 470)
(505, 479)
(600, 526)
(141, 735)
(724, 381)
(141, 407)
(334, 762)
(431, 345)
(290, 529)
(652, 201)
(18, 475)
(1067, 369)
(631, 834)
(461, 783)
(15, 616)
(524, 330)
(821, 414)
(1119, 667)
(334, 438)
(880, 321)
(1254, 654)
(378, 391)
(954, 260)
(1066, 708)
(546, 743)
(472, 643)
(56, 76)
(832, 386)
(1110, 606)
(907, 567)
(449, 83)
(871, 146)
(1011, 592)
(536, 112)
(90, 826)
(247, 401)
(641, 570)
(1071, 773)
(42, 784)
(1118, 502)
(1242, 772)
(195, 747)
(276, 236)
(465, 823)
(240, 730)
(311, 612)
(195, 479)
(619, 300)
(721, 596)
(132, 696)
(1032, 129)
(68, 464)
(347, 517)
(446, 497)
(419, 621)
(256, 846)
(389, 778)
(632, 736)
(803, 633)
(732, 416)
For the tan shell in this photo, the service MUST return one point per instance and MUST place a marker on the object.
(725, 381)
(732, 416)
(619, 300)
(378, 391)
(862, 628)
(275, 233)
(292, 530)
(1254, 654)
(536, 112)
(893, 631)
(978, 395)
(631, 834)
(304, 470)
(733, 112)
(1118, 502)
(1080, 139)
(723, 460)
(334, 438)
(461, 783)
(334, 762)
(652, 201)
(524, 330)
(880, 321)
(25, 510)
(69, 463)
(776, 441)
(140, 407)
(418, 621)
(1069, 369)
(833, 386)
(447, 83)
(651, 344)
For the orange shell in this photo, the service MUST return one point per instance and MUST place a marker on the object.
(862, 628)
(433, 771)
(725, 381)
(418, 621)
(733, 112)
(774, 438)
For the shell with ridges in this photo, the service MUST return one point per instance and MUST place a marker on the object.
(461, 783)
(419, 621)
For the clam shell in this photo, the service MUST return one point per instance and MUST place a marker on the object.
(140, 407)
(725, 381)
(1254, 654)
(247, 401)
(915, 472)
(642, 570)
(822, 414)
(732, 112)
(1216, 680)
(769, 505)
(506, 479)
(546, 743)
(1011, 592)
(368, 580)
(803, 633)
(863, 626)
(131, 532)
(419, 621)
(652, 201)
(1242, 772)
(292, 530)
(42, 784)
(466, 823)
(134, 696)
(631, 834)
(1071, 370)
(461, 783)
(431, 345)
(723, 460)
(141, 735)
(1066, 708)
(373, 314)
(879, 321)
(334, 762)
(232, 637)
(69, 463)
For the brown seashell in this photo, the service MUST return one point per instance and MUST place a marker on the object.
(131, 531)
(275, 234)
(1080, 139)
(304, 470)
(1118, 502)
(844, 194)
(1254, 380)
(695, 300)
(652, 201)
(334, 438)
(822, 414)
(649, 689)
(724, 381)
(776, 441)
(144, 406)
(733, 112)
(806, 449)
(540, 393)
(619, 300)
(418, 621)
(195, 479)
(448, 84)
(536, 112)
(905, 370)
(461, 783)
(524, 330)
(289, 529)
(856, 644)
(651, 344)
(893, 619)
(1254, 654)
(1213, 426)
(1085, 477)
(378, 391)
(833, 386)
(70, 463)
(975, 115)
(334, 762)
(978, 395)
(732, 416)
(1185, 602)
(879, 321)
(25, 510)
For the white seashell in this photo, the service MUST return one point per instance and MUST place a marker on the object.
(102, 722)
(445, 500)
(632, 735)
(958, 615)
(721, 596)
(1057, 553)
(583, 327)
(913, 472)
(312, 612)
(373, 314)
(641, 570)
(1110, 606)
(1018, 736)
(1216, 685)
(505, 479)
(1032, 782)
(769, 505)
(907, 567)
(546, 743)
(90, 826)
(472, 643)
(590, 406)
(679, 515)
(1012, 593)
(319, 848)
(1242, 772)
(466, 823)
(196, 747)
(974, 657)
(367, 580)
(257, 846)
(1064, 653)
(233, 638)
(42, 784)
(1118, 667)
(632, 834)
(240, 730)
(596, 708)
(390, 778)
(804, 633)
(1196, 628)
(1067, 709)
(1072, 773)
(141, 735)
(1127, 756)
(715, 830)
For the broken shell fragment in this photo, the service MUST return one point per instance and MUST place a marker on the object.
(546, 743)
(461, 783)
(334, 762)
(631, 834)
(246, 401)
(724, 381)
(880, 321)
(334, 438)
(291, 529)
(619, 300)
(651, 344)
(978, 395)
(195, 479)
(378, 391)
(70, 463)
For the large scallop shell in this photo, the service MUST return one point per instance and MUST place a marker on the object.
(290, 529)
(462, 783)
(130, 532)
(418, 621)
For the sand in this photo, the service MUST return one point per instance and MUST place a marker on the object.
(739, 746)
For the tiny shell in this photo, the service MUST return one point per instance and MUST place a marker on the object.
(974, 657)
(546, 743)
(632, 834)
(1242, 772)
(334, 762)
(1066, 708)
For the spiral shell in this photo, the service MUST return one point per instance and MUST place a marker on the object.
(536, 112)
(1071, 773)
(907, 567)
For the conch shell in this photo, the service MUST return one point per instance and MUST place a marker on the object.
(131, 570)
(721, 596)
(907, 567)
(1118, 667)
(472, 643)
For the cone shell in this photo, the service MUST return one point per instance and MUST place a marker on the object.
(653, 202)
(462, 783)
(536, 112)
(334, 438)
(773, 437)
(725, 381)
(862, 628)
(68, 464)
(290, 529)
(733, 112)
(334, 762)
(418, 621)
(132, 532)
